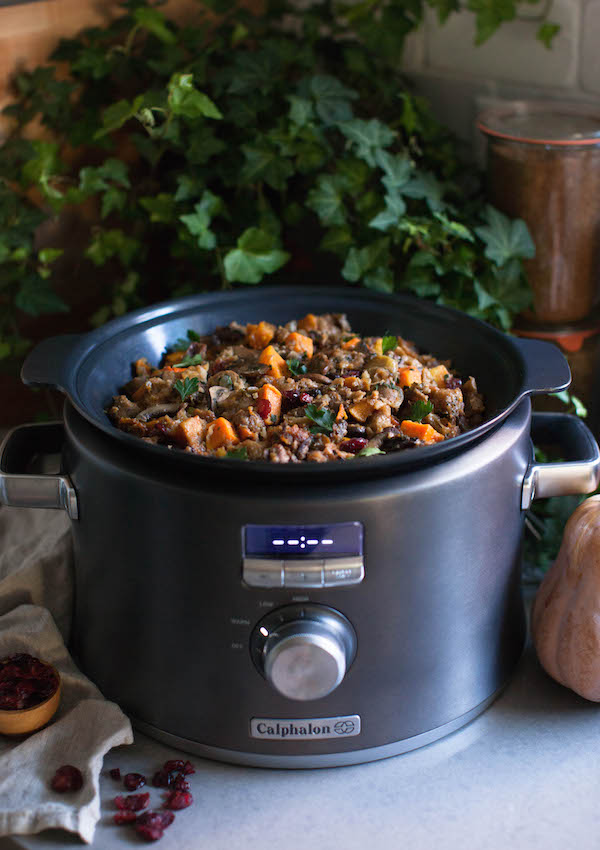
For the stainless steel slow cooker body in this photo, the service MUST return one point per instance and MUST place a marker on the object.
(398, 635)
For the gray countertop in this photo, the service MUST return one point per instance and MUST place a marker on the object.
(525, 774)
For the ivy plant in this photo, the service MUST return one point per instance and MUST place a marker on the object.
(243, 148)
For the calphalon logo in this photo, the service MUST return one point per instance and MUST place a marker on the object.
(278, 729)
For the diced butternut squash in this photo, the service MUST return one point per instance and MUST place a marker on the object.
(174, 357)
(439, 375)
(300, 343)
(259, 336)
(190, 431)
(421, 431)
(277, 365)
(362, 410)
(245, 433)
(408, 377)
(271, 394)
(341, 414)
(142, 368)
(351, 343)
(351, 381)
(220, 433)
(308, 323)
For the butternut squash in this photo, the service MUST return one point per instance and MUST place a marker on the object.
(308, 323)
(277, 365)
(421, 431)
(259, 336)
(565, 618)
(408, 377)
(220, 433)
(300, 344)
(271, 394)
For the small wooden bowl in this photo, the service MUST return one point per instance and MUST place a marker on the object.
(24, 720)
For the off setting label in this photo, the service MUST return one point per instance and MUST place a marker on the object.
(307, 729)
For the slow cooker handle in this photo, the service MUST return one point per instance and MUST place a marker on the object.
(579, 473)
(19, 489)
(51, 362)
(546, 369)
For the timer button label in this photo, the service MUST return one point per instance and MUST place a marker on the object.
(262, 572)
(343, 571)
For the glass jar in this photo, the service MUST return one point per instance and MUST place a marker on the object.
(544, 167)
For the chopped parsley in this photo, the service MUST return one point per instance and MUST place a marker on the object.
(323, 419)
(189, 360)
(186, 388)
(388, 343)
(183, 342)
(296, 367)
(419, 410)
(368, 451)
(238, 454)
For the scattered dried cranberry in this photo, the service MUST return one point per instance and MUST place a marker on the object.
(132, 803)
(133, 781)
(124, 817)
(115, 773)
(180, 784)
(294, 398)
(25, 681)
(173, 764)
(178, 800)
(352, 373)
(162, 779)
(151, 825)
(353, 445)
(263, 408)
(67, 778)
(452, 382)
(188, 768)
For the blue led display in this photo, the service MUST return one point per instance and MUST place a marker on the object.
(303, 541)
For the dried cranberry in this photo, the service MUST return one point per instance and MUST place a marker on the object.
(263, 408)
(124, 817)
(353, 445)
(352, 373)
(151, 825)
(294, 398)
(162, 779)
(25, 681)
(133, 781)
(452, 382)
(180, 784)
(115, 773)
(132, 803)
(178, 800)
(173, 764)
(67, 778)
(188, 768)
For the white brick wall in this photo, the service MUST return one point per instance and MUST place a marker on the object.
(455, 75)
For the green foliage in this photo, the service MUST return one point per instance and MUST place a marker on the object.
(419, 410)
(186, 387)
(214, 154)
(296, 367)
(323, 419)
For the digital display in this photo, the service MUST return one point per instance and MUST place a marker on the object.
(303, 541)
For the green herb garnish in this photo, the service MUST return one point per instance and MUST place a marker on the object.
(323, 419)
(238, 454)
(186, 388)
(419, 410)
(296, 367)
(183, 342)
(388, 343)
(189, 360)
(368, 451)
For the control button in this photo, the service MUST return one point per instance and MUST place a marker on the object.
(303, 573)
(343, 571)
(262, 572)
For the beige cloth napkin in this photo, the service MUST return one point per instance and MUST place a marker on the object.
(35, 567)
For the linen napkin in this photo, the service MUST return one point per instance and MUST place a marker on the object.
(35, 566)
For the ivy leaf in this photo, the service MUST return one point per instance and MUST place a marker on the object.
(44, 165)
(48, 255)
(324, 420)
(419, 410)
(366, 138)
(327, 201)
(161, 207)
(265, 162)
(337, 240)
(398, 169)
(198, 222)
(489, 14)
(256, 254)
(547, 32)
(301, 110)
(331, 98)
(107, 244)
(117, 114)
(35, 297)
(505, 239)
(391, 214)
(187, 187)
(361, 260)
(428, 187)
(185, 99)
(154, 21)
(186, 387)
(381, 280)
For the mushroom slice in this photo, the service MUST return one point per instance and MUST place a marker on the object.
(157, 410)
(218, 396)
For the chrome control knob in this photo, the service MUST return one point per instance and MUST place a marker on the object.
(304, 651)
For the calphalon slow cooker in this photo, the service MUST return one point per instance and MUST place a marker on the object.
(197, 610)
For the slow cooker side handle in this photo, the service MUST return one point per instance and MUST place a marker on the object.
(52, 362)
(19, 489)
(579, 473)
(545, 368)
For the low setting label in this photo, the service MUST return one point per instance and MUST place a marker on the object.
(307, 729)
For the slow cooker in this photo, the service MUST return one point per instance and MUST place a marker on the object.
(305, 615)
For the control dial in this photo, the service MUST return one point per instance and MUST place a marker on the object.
(304, 651)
